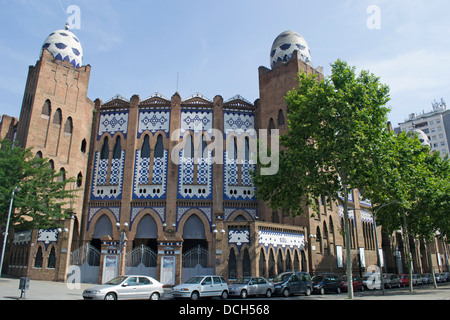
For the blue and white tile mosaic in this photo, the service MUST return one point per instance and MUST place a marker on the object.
(47, 236)
(201, 188)
(113, 122)
(207, 211)
(142, 189)
(281, 239)
(161, 211)
(102, 189)
(153, 121)
(196, 121)
(238, 237)
(228, 211)
(231, 188)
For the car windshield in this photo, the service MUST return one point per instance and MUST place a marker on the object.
(317, 279)
(282, 277)
(242, 281)
(195, 280)
(116, 281)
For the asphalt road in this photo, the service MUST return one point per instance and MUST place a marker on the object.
(48, 290)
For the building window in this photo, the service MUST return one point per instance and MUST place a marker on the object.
(145, 150)
(117, 149)
(159, 148)
(39, 258)
(104, 154)
(52, 259)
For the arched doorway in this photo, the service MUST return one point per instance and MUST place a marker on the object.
(196, 258)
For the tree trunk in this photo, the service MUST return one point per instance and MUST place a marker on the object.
(430, 260)
(407, 252)
(348, 241)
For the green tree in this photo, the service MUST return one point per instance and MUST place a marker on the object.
(332, 126)
(42, 194)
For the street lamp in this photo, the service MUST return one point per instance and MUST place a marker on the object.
(7, 228)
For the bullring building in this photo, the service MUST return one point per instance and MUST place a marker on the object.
(164, 184)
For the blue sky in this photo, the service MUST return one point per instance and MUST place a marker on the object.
(215, 47)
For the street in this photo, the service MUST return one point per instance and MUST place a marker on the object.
(48, 290)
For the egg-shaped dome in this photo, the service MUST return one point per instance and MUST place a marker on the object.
(285, 44)
(423, 138)
(64, 46)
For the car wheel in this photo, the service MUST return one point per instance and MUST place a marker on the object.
(244, 294)
(308, 291)
(338, 290)
(224, 295)
(362, 288)
(286, 292)
(322, 291)
(111, 296)
(195, 295)
(268, 293)
(154, 296)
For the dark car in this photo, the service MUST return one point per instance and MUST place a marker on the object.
(357, 283)
(326, 283)
(288, 283)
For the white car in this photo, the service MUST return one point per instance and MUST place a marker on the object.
(126, 287)
(202, 286)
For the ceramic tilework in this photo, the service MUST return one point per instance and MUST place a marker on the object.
(281, 239)
(112, 122)
(231, 189)
(153, 121)
(196, 121)
(142, 189)
(202, 187)
(101, 189)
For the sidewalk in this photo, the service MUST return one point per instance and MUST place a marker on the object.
(41, 290)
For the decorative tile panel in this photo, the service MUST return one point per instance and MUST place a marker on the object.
(142, 189)
(153, 120)
(281, 239)
(112, 122)
(101, 189)
(196, 121)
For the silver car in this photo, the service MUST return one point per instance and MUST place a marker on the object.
(251, 286)
(126, 287)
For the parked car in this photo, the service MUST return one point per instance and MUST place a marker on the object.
(357, 283)
(391, 280)
(439, 277)
(426, 278)
(417, 279)
(446, 276)
(126, 287)
(202, 286)
(326, 282)
(372, 281)
(251, 286)
(404, 280)
(288, 283)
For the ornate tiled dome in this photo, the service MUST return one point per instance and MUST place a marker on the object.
(64, 46)
(285, 44)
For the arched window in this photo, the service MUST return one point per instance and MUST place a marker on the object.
(271, 125)
(319, 240)
(262, 263)
(52, 258)
(83, 146)
(159, 148)
(246, 264)
(68, 127)
(145, 150)
(188, 150)
(38, 258)
(57, 118)
(280, 118)
(46, 108)
(104, 154)
(117, 149)
(232, 270)
(247, 148)
(79, 180)
(39, 154)
(202, 148)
